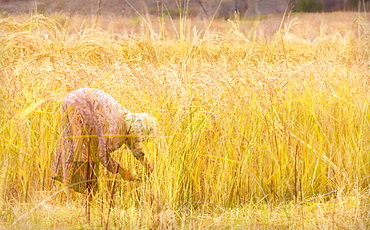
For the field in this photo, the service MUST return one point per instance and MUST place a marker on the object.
(263, 123)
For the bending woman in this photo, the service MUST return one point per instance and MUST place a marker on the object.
(95, 125)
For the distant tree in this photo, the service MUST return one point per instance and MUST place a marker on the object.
(308, 6)
(228, 9)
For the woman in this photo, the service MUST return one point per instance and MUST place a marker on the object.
(95, 125)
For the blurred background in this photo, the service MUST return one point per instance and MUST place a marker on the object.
(202, 8)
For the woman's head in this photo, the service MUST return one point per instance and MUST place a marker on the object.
(142, 124)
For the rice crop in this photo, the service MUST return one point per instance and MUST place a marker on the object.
(263, 123)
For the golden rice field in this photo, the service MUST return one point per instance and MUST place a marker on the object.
(263, 123)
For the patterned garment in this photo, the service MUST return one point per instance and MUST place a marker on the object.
(95, 125)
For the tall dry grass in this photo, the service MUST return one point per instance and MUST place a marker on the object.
(263, 123)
